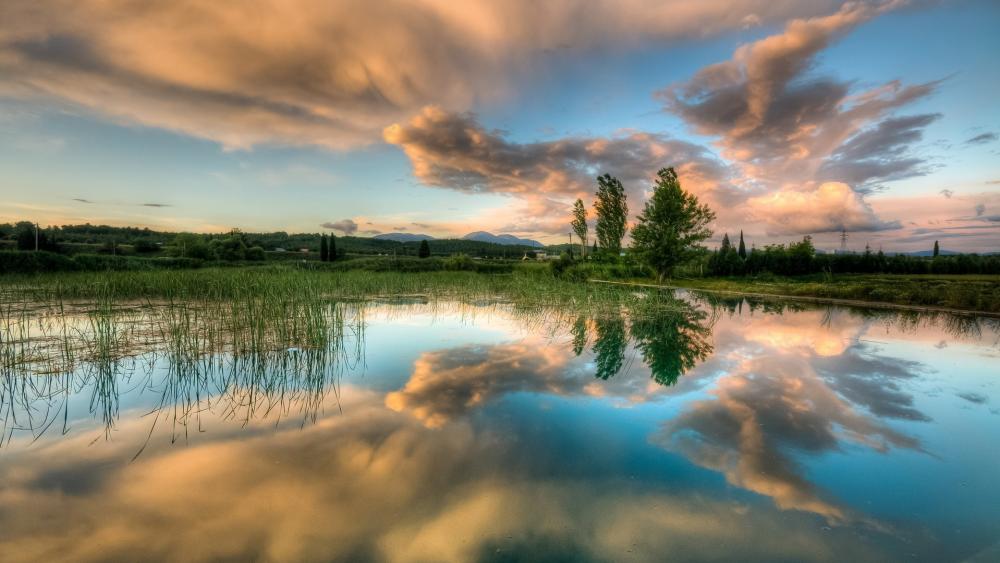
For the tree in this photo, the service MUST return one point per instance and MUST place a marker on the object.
(672, 225)
(579, 225)
(936, 249)
(425, 249)
(612, 213)
(743, 247)
(29, 236)
(331, 251)
(324, 253)
(190, 245)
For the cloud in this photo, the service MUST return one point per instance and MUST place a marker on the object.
(980, 209)
(346, 226)
(314, 72)
(879, 152)
(156, 205)
(832, 206)
(81, 200)
(947, 193)
(783, 124)
(982, 139)
(454, 151)
(789, 130)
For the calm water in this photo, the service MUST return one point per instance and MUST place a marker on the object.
(463, 433)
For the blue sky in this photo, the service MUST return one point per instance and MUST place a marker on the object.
(503, 115)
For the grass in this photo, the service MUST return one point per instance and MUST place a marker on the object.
(978, 293)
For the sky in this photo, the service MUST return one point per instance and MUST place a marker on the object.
(431, 116)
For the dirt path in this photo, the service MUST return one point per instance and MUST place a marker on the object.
(809, 299)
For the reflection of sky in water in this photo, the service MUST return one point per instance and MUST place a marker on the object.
(476, 434)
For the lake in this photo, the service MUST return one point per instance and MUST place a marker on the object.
(440, 431)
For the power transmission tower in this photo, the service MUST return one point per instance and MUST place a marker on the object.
(843, 241)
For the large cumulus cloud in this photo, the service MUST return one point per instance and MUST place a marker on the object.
(790, 130)
(315, 72)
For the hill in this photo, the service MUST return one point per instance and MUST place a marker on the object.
(403, 237)
(483, 236)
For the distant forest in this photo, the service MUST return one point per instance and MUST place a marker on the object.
(105, 239)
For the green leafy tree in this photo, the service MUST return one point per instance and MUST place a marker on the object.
(579, 225)
(190, 245)
(612, 213)
(425, 249)
(743, 247)
(26, 238)
(672, 226)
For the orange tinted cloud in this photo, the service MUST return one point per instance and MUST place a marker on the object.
(315, 72)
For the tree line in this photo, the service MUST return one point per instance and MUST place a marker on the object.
(801, 258)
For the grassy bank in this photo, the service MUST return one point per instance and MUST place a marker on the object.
(964, 292)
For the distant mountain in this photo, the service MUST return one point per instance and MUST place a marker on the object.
(483, 236)
(403, 237)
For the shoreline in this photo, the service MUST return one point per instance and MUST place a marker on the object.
(813, 299)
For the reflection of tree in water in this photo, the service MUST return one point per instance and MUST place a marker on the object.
(671, 341)
(609, 345)
(579, 331)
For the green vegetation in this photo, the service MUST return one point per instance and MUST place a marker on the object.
(612, 214)
(672, 226)
(965, 292)
(579, 225)
(103, 239)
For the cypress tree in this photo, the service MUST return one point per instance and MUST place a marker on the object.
(743, 247)
(936, 249)
(425, 249)
(331, 251)
(323, 249)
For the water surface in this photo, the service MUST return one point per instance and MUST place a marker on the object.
(444, 432)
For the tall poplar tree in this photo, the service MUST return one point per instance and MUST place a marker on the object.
(612, 213)
(323, 249)
(743, 247)
(331, 251)
(579, 225)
